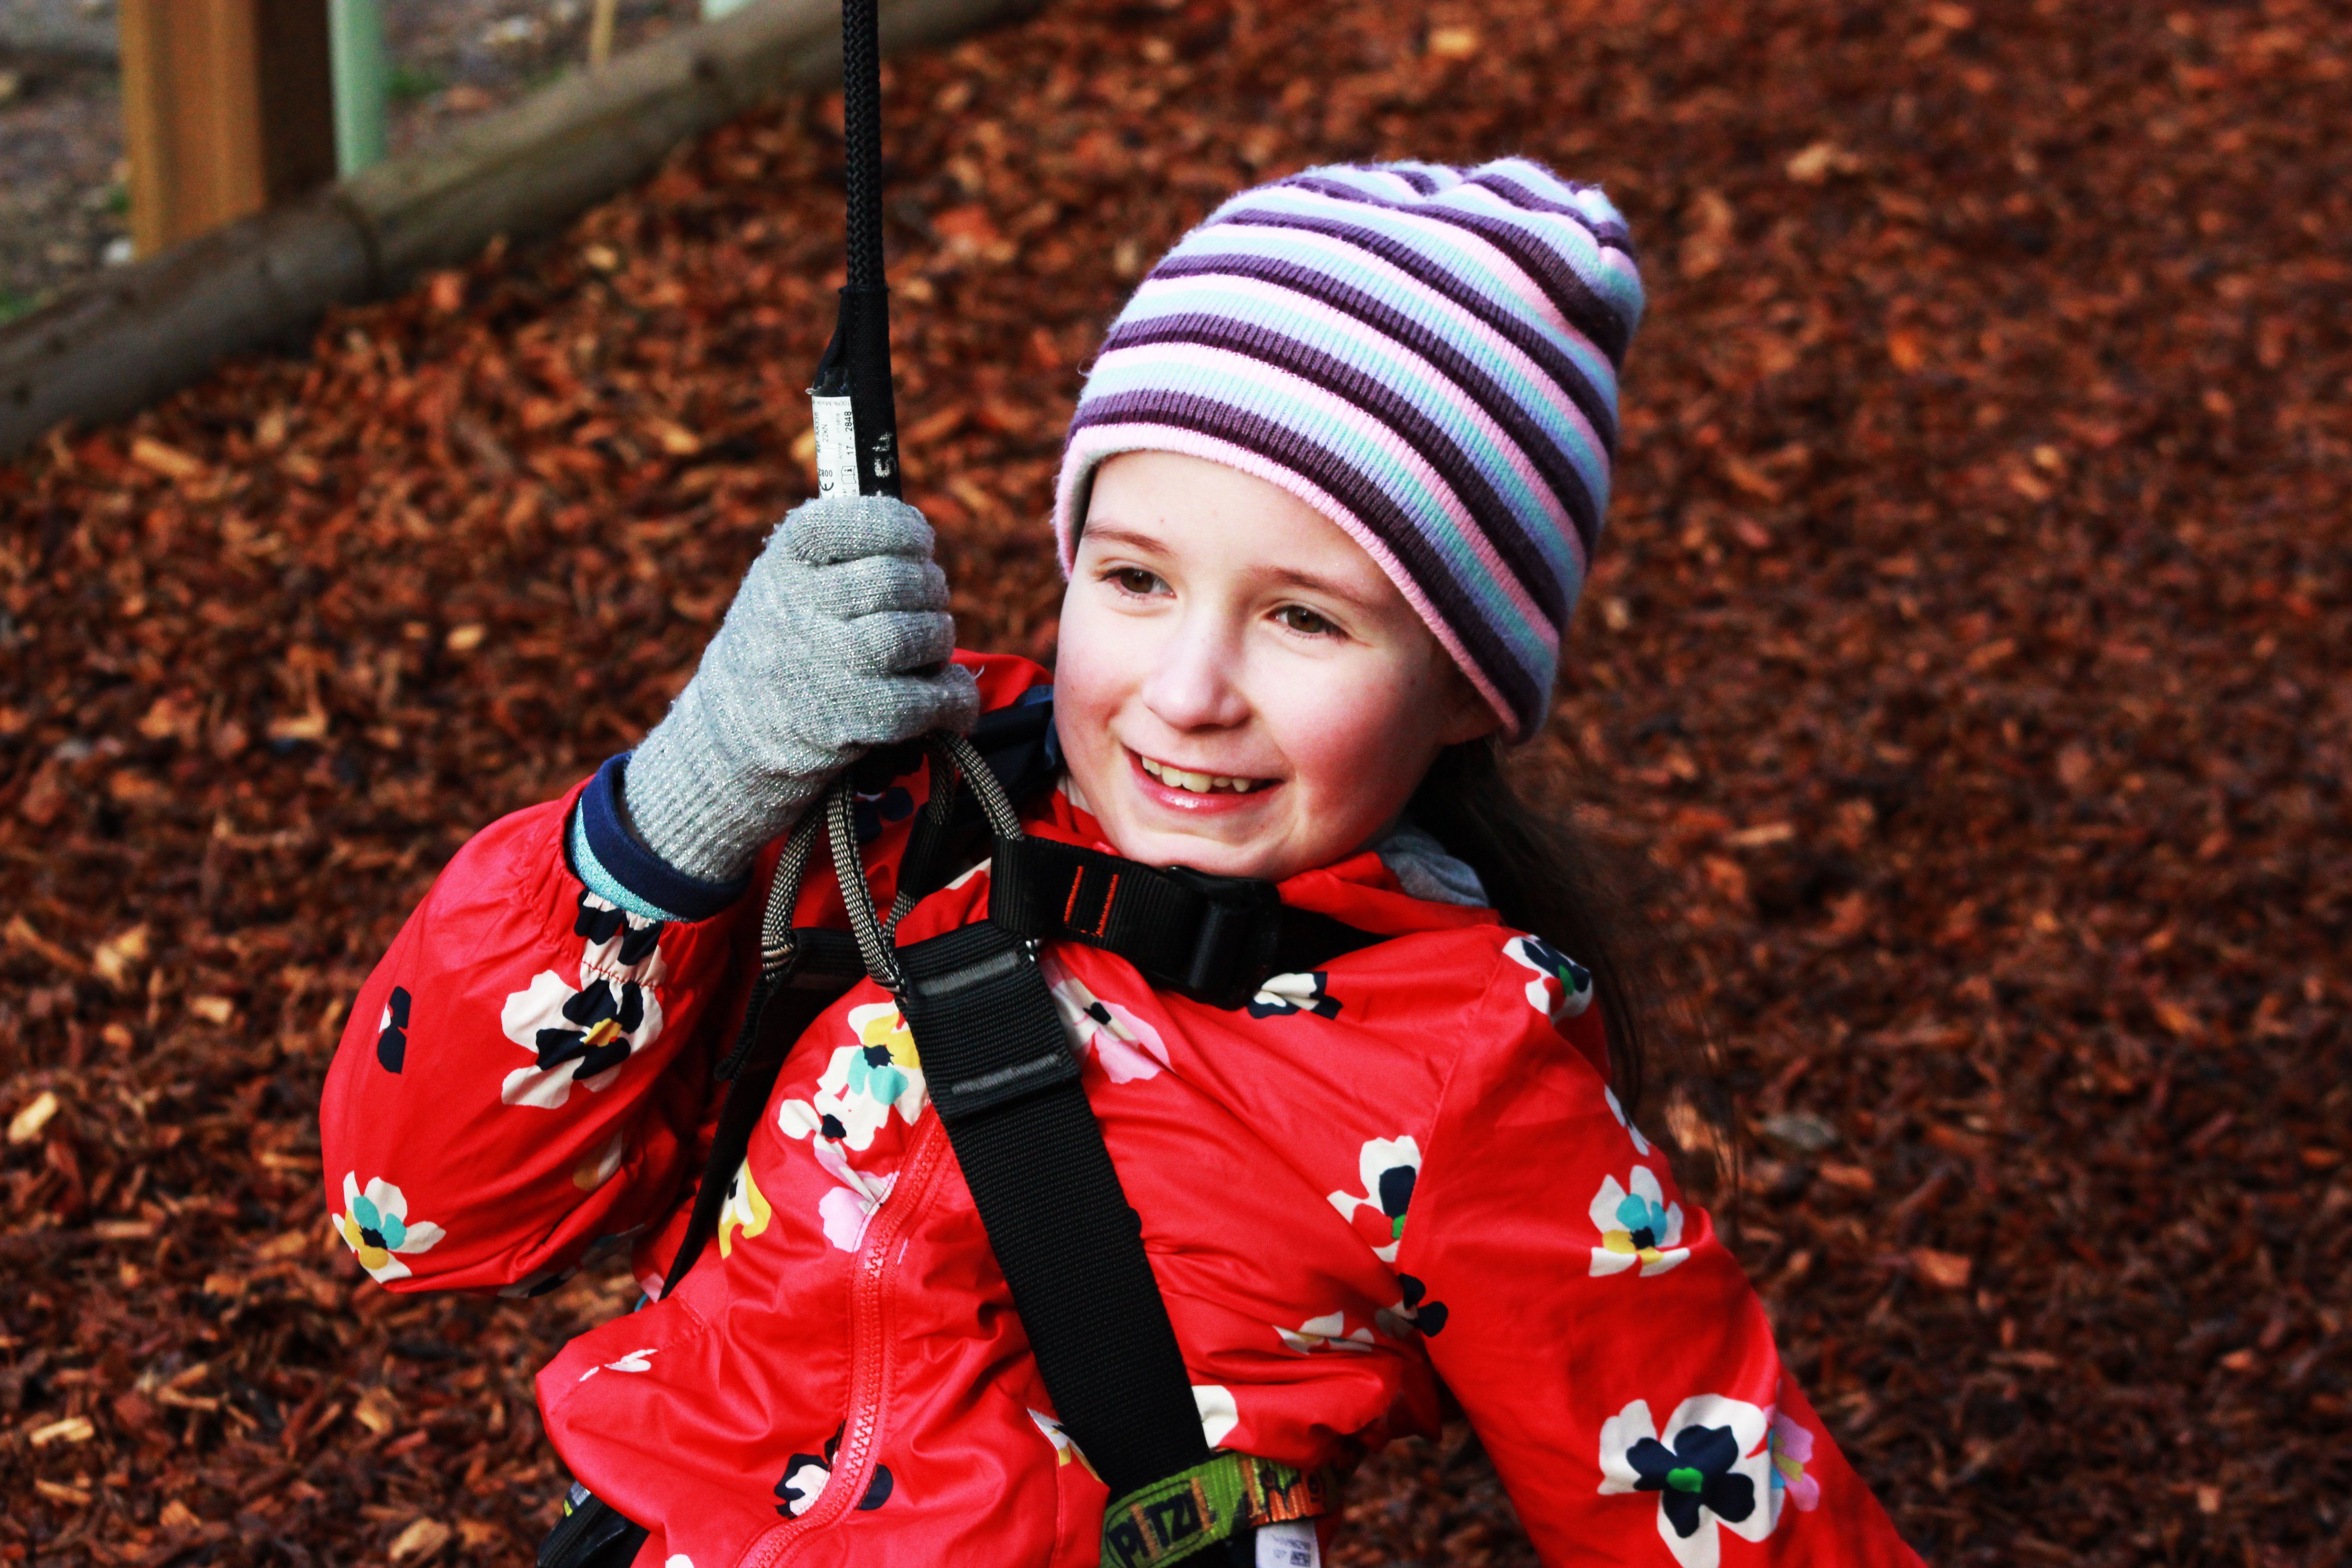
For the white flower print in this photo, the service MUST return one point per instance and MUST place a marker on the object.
(622, 945)
(1563, 987)
(1710, 1470)
(1640, 1144)
(846, 1209)
(598, 1168)
(1388, 1167)
(1286, 994)
(584, 1034)
(1127, 1047)
(1219, 1413)
(806, 1475)
(801, 1483)
(1329, 1332)
(634, 1362)
(1637, 1225)
(375, 1226)
(864, 1082)
(581, 1036)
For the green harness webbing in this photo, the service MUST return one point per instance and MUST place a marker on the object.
(1217, 1501)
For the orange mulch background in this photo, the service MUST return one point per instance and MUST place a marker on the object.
(1968, 660)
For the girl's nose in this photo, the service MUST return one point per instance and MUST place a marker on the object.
(1195, 682)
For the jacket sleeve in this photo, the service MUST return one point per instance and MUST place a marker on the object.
(1603, 1342)
(526, 1076)
(509, 1093)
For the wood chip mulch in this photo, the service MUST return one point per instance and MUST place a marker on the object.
(1967, 663)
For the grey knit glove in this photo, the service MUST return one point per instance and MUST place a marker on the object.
(816, 664)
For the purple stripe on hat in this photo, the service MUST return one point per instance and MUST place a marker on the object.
(1571, 295)
(1314, 417)
(1534, 574)
(1615, 236)
(1429, 274)
(1252, 432)
(1557, 468)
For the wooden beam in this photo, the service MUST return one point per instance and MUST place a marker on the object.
(227, 109)
(139, 332)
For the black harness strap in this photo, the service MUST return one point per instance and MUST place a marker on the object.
(1213, 939)
(997, 1060)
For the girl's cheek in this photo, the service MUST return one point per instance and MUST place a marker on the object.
(1336, 725)
(1091, 679)
(1086, 660)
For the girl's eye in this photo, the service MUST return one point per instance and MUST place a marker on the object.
(1299, 618)
(1136, 580)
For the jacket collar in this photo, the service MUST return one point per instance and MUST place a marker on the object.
(1360, 890)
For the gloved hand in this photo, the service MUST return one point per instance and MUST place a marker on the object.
(814, 665)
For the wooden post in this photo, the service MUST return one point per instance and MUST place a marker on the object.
(226, 108)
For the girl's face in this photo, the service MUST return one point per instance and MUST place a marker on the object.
(1240, 687)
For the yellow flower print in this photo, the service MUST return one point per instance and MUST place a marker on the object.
(746, 1210)
(375, 1225)
(880, 1026)
(1637, 1225)
(1066, 1448)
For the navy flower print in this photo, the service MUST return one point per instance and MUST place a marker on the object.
(601, 923)
(1694, 1476)
(392, 1033)
(805, 1476)
(1282, 995)
(1709, 1468)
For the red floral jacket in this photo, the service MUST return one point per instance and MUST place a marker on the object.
(1403, 1168)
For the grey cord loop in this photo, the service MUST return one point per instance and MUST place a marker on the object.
(951, 755)
(873, 943)
(953, 759)
(953, 751)
(785, 892)
(939, 808)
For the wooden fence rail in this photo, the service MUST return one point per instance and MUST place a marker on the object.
(142, 331)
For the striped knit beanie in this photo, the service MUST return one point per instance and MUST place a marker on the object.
(1426, 355)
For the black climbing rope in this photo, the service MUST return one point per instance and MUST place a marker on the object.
(856, 417)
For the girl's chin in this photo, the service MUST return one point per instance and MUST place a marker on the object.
(1212, 836)
(1216, 855)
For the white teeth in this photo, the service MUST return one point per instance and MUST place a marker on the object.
(1199, 783)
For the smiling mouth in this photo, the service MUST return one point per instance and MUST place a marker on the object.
(1200, 784)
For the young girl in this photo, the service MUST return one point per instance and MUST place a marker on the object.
(1327, 502)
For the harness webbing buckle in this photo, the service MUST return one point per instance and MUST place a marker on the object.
(1241, 927)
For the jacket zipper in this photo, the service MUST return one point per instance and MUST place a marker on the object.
(871, 1290)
